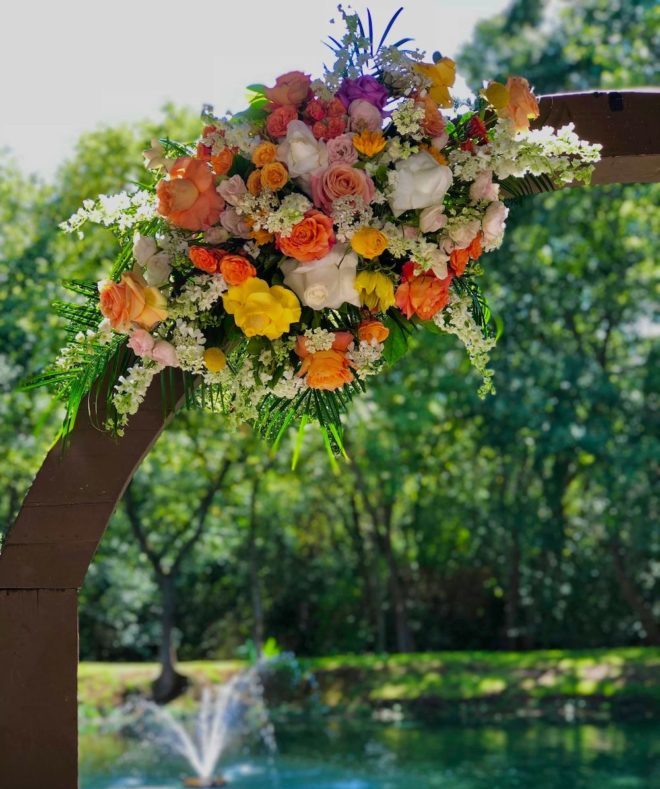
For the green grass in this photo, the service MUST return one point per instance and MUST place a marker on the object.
(500, 681)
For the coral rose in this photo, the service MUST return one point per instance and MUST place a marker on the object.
(372, 331)
(369, 242)
(235, 269)
(187, 197)
(310, 239)
(423, 295)
(131, 301)
(291, 88)
(207, 260)
(261, 310)
(339, 180)
(264, 153)
(279, 120)
(274, 176)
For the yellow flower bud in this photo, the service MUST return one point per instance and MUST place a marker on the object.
(214, 360)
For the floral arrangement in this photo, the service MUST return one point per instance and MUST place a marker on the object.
(289, 254)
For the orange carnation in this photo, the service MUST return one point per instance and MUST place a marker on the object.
(207, 260)
(187, 197)
(222, 162)
(132, 301)
(373, 331)
(423, 295)
(310, 239)
(236, 269)
(274, 176)
(264, 153)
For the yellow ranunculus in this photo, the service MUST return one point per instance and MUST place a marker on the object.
(376, 290)
(214, 360)
(261, 310)
(497, 95)
(369, 142)
(442, 75)
(369, 242)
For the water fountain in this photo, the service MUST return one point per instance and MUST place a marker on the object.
(224, 712)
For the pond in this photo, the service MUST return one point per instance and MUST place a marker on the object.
(349, 754)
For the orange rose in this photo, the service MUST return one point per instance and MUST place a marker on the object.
(310, 239)
(433, 122)
(274, 176)
(459, 258)
(131, 301)
(207, 260)
(423, 295)
(236, 269)
(279, 119)
(254, 183)
(222, 162)
(264, 153)
(187, 197)
(290, 88)
(328, 370)
(372, 331)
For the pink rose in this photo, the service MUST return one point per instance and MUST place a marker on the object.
(364, 115)
(233, 189)
(163, 352)
(483, 188)
(492, 225)
(341, 149)
(339, 180)
(233, 222)
(141, 343)
(432, 219)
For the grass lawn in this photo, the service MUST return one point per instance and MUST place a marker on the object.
(491, 683)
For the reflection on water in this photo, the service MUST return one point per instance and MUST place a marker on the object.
(337, 754)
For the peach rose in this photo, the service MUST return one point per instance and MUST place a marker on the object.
(291, 88)
(423, 295)
(433, 122)
(236, 269)
(310, 239)
(131, 301)
(338, 180)
(279, 120)
(521, 105)
(207, 260)
(187, 197)
(372, 331)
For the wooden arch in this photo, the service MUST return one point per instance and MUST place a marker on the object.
(52, 543)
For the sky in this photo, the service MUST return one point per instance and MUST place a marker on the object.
(69, 66)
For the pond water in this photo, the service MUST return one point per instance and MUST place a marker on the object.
(335, 754)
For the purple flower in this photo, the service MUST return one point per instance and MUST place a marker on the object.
(366, 88)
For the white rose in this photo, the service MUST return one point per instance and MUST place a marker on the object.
(493, 224)
(463, 234)
(483, 188)
(419, 182)
(432, 219)
(144, 248)
(157, 270)
(301, 151)
(326, 283)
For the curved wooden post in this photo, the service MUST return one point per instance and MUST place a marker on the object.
(48, 550)
(42, 565)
